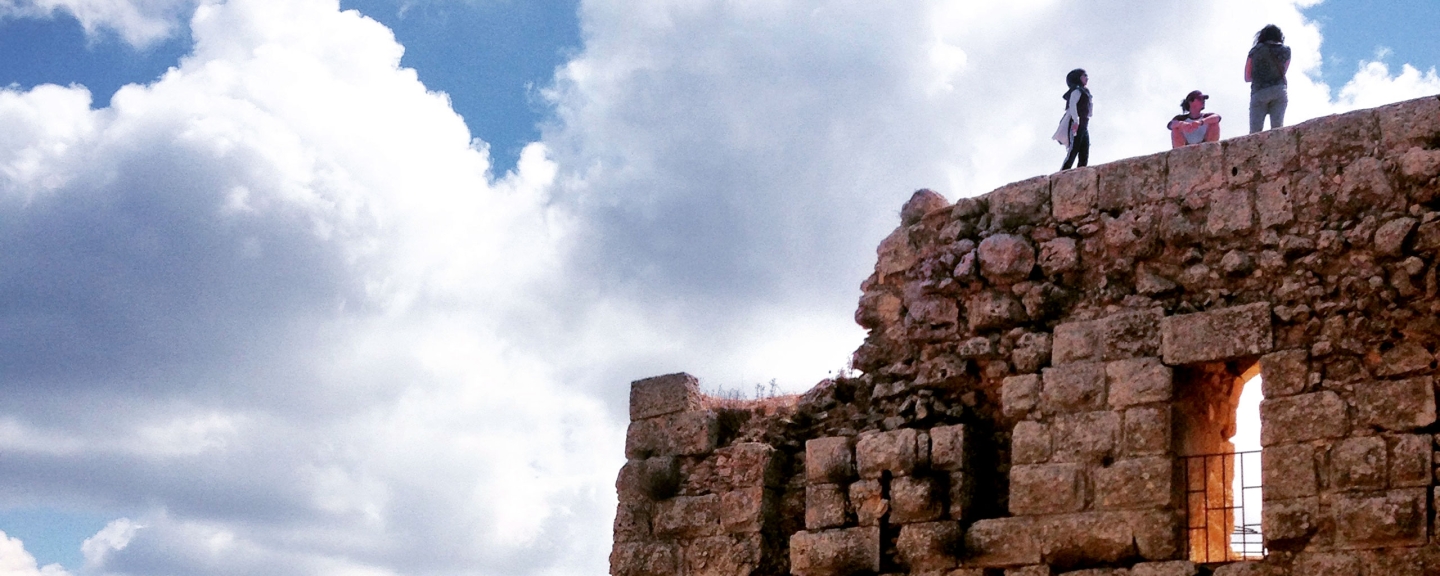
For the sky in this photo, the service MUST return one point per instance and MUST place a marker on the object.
(357, 288)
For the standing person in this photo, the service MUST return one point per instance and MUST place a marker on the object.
(1193, 126)
(1265, 69)
(1074, 130)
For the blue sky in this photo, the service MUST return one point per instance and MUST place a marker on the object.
(275, 308)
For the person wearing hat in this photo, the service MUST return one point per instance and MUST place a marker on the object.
(1194, 126)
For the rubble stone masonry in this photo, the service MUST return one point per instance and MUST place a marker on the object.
(1041, 359)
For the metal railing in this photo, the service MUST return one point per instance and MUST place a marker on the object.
(1222, 507)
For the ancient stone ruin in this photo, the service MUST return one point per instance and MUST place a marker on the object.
(1051, 376)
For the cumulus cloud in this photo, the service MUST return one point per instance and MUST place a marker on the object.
(139, 22)
(16, 561)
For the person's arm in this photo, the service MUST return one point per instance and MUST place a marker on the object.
(1177, 139)
(1249, 66)
(1212, 134)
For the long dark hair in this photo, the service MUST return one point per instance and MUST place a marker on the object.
(1270, 33)
(1073, 81)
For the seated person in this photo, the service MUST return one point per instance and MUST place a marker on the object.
(1194, 127)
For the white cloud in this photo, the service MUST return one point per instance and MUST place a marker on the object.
(16, 561)
(138, 22)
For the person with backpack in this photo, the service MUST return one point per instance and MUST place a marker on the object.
(1074, 130)
(1265, 69)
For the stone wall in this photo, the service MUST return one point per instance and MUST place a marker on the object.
(1041, 358)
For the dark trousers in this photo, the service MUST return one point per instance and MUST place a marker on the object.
(1079, 148)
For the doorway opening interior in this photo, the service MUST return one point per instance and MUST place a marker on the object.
(1219, 443)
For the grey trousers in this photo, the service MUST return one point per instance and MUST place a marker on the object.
(1271, 101)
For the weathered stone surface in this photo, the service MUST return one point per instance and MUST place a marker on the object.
(1172, 568)
(1272, 204)
(1076, 342)
(1326, 564)
(1288, 471)
(1158, 533)
(893, 451)
(1073, 388)
(663, 395)
(962, 496)
(1047, 489)
(1401, 405)
(932, 317)
(649, 478)
(644, 559)
(688, 516)
(895, 254)
(1289, 524)
(922, 202)
(1284, 373)
(1089, 437)
(1410, 458)
(829, 460)
(1019, 395)
(916, 499)
(1404, 358)
(1006, 258)
(746, 510)
(1409, 124)
(1390, 237)
(930, 546)
(748, 465)
(1030, 443)
(1138, 381)
(1038, 570)
(723, 555)
(1302, 417)
(825, 506)
(1073, 194)
(1216, 335)
(867, 498)
(1359, 463)
(1000, 542)
(1131, 182)
(1135, 483)
(1146, 431)
(1059, 256)
(1232, 213)
(947, 447)
(1392, 518)
(1021, 202)
(835, 552)
(1420, 164)
(1195, 169)
(1088, 538)
(632, 521)
(1032, 352)
(992, 309)
(878, 309)
(681, 434)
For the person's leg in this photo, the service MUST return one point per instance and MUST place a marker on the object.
(1277, 108)
(1257, 112)
(1212, 132)
(1083, 146)
(1177, 139)
(1069, 156)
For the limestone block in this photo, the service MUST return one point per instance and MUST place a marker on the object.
(932, 316)
(1359, 463)
(748, 465)
(1284, 373)
(1089, 437)
(1401, 405)
(1172, 568)
(829, 460)
(632, 521)
(1217, 334)
(1116, 337)
(1138, 381)
(663, 395)
(1088, 538)
(961, 497)
(688, 516)
(1031, 353)
(825, 506)
(723, 555)
(1391, 518)
(644, 559)
(1390, 237)
(1059, 256)
(1073, 194)
(1231, 214)
(1272, 204)
(747, 510)
(1135, 483)
(895, 254)
(680, 434)
(1418, 164)
(1038, 570)
(1146, 431)
(1289, 524)
(1195, 169)
(1020, 202)
(1404, 358)
(893, 451)
(916, 499)
(1001, 542)
(835, 552)
(1070, 388)
(1408, 124)
(1302, 417)
(947, 447)
(1288, 471)
(1326, 564)
(929, 546)
(1410, 460)
(649, 478)
(1157, 533)
(879, 309)
(1247, 569)
(1047, 489)
(1131, 182)
(1342, 136)
(1019, 395)
(1076, 342)
(1030, 443)
(867, 499)
(992, 309)
(922, 202)
(1258, 155)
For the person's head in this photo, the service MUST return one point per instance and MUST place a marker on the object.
(1194, 102)
(1270, 33)
(1076, 78)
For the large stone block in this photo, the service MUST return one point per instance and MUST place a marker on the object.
(661, 395)
(1001, 542)
(994, 310)
(1326, 564)
(825, 506)
(1047, 489)
(947, 447)
(1171, 568)
(867, 499)
(1195, 169)
(650, 479)
(1302, 417)
(1222, 334)
(1138, 381)
(723, 555)
(688, 516)
(1019, 395)
(747, 510)
(829, 460)
(1412, 123)
(1232, 213)
(1073, 194)
(893, 451)
(1289, 524)
(961, 497)
(835, 552)
(1385, 519)
(1157, 533)
(1146, 431)
(748, 465)
(1076, 342)
(930, 546)
(1405, 358)
(1284, 373)
(1288, 471)
(1410, 457)
(1401, 405)
(1086, 539)
(1135, 483)
(1131, 182)
(644, 559)
(1128, 334)
(632, 521)
(916, 499)
(1030, 443)
(1090, 437)
(1006, 257)
(681, 434)
(1359, 463)
(1073, 388)
(1344, 135)
(1273, 205)
(1020, 203)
